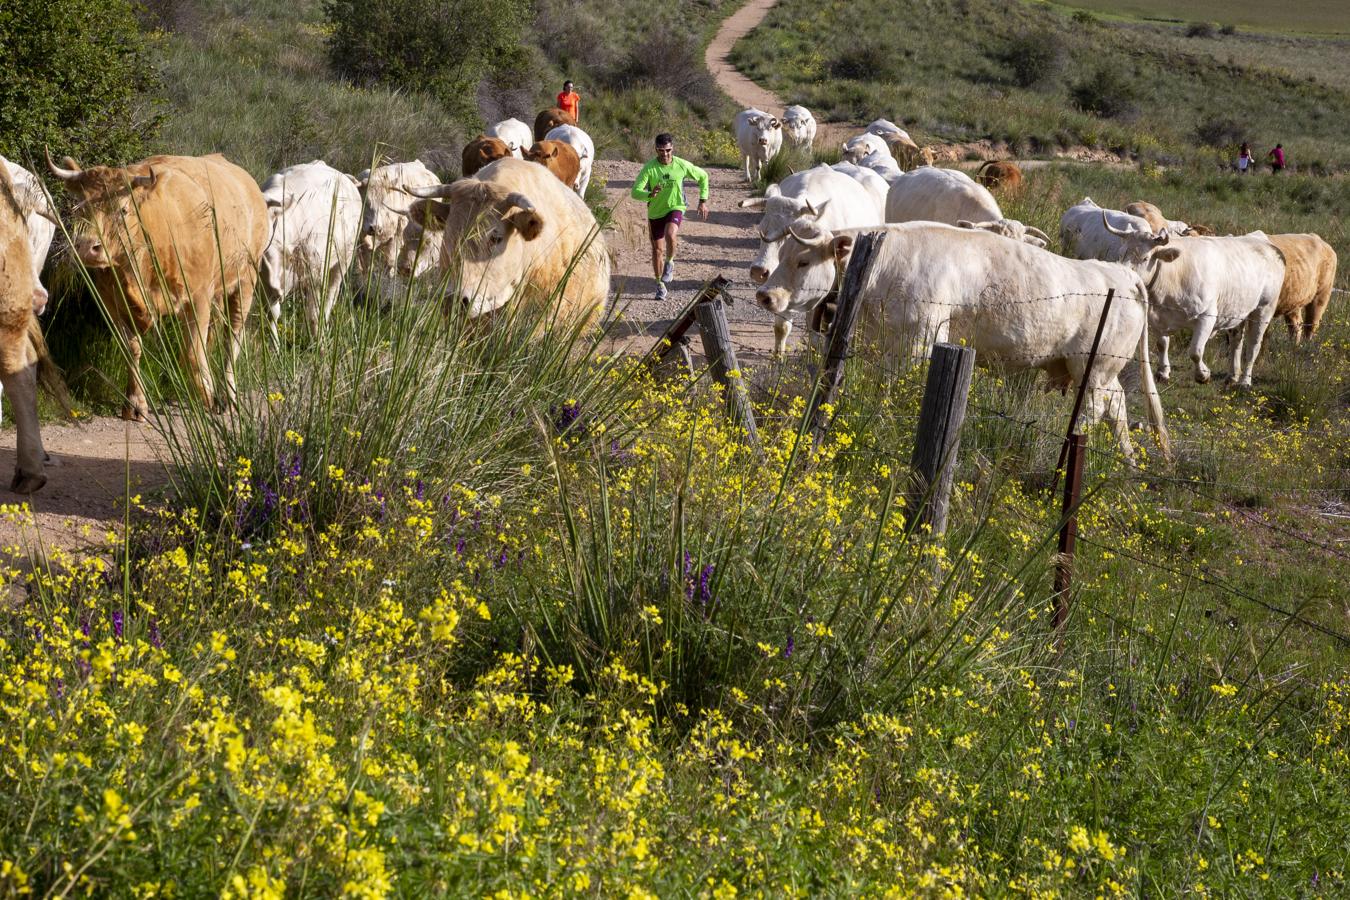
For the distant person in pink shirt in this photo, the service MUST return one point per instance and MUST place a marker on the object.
(1276, 158)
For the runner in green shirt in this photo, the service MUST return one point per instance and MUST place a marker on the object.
(661, 185)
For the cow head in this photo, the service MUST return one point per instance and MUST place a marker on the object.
(107, 225)
(780, 214)
(856, 149)
(482, 150)
(386, 204)
(1011, 228)
(1144, 251)
(277, 277)
(486, 230)
(809, 261)
(798, 125)
(18, 284)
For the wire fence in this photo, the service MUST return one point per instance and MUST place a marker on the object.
(1049, 429)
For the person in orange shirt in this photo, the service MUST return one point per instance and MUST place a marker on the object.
(570, 101)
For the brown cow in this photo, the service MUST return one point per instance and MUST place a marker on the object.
(1157, 221)
(171, 235)
(558, 157)
(480, 151)
(1001, 174)
(549, 119)
(23, 353)
(1309, 272)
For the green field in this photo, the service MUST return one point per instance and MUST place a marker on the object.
(1323, 16)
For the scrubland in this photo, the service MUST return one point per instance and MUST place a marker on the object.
(446, 610)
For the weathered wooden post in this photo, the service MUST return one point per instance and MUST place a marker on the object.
(865, 248)
(712, 324)
(941, 415)
(1068, 531)
(676, 336)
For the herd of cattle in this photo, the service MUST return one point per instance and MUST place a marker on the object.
(193, 237)
(952, 265)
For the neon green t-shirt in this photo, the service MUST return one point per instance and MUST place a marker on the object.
(668, 183)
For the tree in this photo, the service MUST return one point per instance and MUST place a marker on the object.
(442, 47)
(77, 78)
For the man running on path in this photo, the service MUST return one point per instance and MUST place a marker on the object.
(661, 185)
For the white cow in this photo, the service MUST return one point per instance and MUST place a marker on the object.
(901, 145)
(38, 215)
(940, 195)
(581, 142)
(868, 178)
(1011, 228)
(1015, 304)
(1083, 233)
(385, 190)
(799, 127)
(314, 216)
(517, 136)
(821, 195)
(855, 149)
(1209, 284)
(760, 137)
(885, 165)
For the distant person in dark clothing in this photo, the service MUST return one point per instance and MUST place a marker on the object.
(1276, 158)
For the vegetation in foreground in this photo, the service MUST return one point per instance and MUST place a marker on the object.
(449, 610)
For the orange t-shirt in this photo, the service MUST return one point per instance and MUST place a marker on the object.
(569, 101)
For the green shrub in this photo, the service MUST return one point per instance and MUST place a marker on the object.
(76, 77)
(1105, 92)
(867, 60)
(1200, 30)
(1033, 56)
(444, 49)
(1220, 131)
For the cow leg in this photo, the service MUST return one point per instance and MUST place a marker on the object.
(22, 387)
(782, 327)
(196, 360)
(273, 317)
(1313, 318)
(1116, 414)
(238, 306)
(1199, 338)
(583, 181)
(1295, 322)
(1164, 361)
(1235, 346)
(748, 177)
(331, 295)
(1256, 333)
(135, 409)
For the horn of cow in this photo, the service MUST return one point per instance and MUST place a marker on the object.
(1037, 233)
(515, 200)
(819, 241)
(1116, 231)
(810, 207)
(431, 192)
(69, 174)
(145, 181)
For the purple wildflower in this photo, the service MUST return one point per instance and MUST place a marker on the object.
(501, 560)
(117, 623)
(420, 490)
(155, 640)
(704, 590)
(459, 547)
(789, 647)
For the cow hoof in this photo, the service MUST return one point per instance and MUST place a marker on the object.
(27, 482)
(1164, 377)
(1202, 378)
(133, 414)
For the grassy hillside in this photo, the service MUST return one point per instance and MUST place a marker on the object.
(1300, 15)
(946, 68)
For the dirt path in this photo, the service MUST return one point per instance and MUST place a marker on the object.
(736, 86)
(94, 463)
(723, 245)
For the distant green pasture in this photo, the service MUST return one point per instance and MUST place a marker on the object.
(1293, 15)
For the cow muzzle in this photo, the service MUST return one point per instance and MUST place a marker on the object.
(39, 300)
(771, 300)
(759, 274)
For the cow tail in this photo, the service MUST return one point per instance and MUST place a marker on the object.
(1151, 397)
(49, 376)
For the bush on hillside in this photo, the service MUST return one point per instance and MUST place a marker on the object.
(1105, 92)
(1201, 30)
(441, 47)
(76, 78)
(1221, 131)
(868, 60)
(670, 62)
(1033, 56)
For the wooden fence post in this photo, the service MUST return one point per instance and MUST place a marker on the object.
(1068, 531)
(676, 336)
(865, 247)
(717, 347)
(939, 435)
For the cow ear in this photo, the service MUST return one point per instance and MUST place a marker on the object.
(842, 246)
(1167, 254)
(962, 223)
(774, 123)
(753, 203)
(773, 190)
(273, 203)
(362, 178)
(430, 214)
(528, 222)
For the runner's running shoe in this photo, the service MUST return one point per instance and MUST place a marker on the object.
(668, 273)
